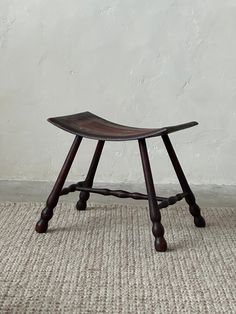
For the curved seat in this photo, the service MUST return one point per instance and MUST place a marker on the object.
(88, 125)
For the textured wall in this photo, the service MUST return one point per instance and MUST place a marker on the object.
(146, 63)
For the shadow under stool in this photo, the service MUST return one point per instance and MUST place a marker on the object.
(88, 125)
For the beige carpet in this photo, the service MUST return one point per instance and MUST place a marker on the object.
(103, 261)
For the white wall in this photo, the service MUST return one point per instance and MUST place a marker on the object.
(145, 63)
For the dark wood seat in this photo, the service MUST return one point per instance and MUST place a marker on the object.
(87, 124)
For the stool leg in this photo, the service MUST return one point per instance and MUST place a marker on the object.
(88, 183)
(155, 215)
(53, 198)
(190, 198)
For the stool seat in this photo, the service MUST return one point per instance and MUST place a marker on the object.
(87, 124)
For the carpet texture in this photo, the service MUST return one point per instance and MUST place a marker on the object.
(103, 261)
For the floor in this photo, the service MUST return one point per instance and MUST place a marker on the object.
(102, 260)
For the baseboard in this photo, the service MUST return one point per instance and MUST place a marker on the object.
(207, 195)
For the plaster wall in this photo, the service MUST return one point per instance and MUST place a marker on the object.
(145, 63)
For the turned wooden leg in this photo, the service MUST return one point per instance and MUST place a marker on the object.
(88, 183)
(53, 198)
(190, 198)
(155, 215)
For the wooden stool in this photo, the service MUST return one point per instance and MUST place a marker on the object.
(91, 126)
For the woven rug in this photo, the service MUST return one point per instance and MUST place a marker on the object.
(103, 261)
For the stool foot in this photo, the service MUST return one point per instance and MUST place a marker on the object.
(42, 224)
(81, 205)
(160, 244)
(195, 211)
(82, 202)
(158, 232)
